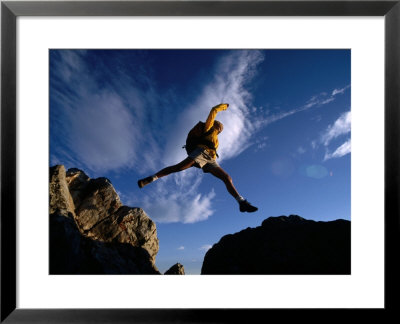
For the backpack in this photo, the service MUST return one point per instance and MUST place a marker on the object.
(197, 136)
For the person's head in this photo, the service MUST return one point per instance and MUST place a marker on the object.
(218, 126)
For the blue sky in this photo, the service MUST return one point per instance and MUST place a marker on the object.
(125, 114)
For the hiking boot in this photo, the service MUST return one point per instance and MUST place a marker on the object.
(245, 206)
(141, 183)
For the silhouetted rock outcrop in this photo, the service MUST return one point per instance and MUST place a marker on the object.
(283, 245)
(176, 269)
(92, 232)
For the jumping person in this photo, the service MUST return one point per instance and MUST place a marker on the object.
(203, 155)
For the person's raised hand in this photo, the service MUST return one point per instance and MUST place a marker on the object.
(222, 106)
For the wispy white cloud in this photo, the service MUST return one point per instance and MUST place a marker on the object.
(342, 150)
(260, 146)
(97, 124)
(314, 144)
(340, 90)
(301, 150)
(179, 207)
(102, 133)
(205, 247)
(340, 127)
(176, 198)
(315, 101)
(260, 143)
(181, 248)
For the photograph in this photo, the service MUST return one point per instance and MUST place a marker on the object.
(250, 148)
(200, 161)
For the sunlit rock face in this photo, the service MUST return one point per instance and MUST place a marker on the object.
(176, 269)
(92, 232)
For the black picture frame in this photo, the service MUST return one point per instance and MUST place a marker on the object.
(10, 10)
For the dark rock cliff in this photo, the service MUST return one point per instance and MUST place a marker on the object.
(283, 245)
(91, 232)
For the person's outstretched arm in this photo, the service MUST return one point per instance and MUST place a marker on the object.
(213, 113)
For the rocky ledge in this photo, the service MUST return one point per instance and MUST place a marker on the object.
(283, 245)
(176, 269)
(91, 232)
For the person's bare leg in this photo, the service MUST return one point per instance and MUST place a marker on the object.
(226, 178)
(183, 165)
(244, 205)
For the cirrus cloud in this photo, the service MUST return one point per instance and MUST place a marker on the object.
(342, 150)
(340, 127)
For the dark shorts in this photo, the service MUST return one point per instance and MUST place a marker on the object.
(203, 160)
